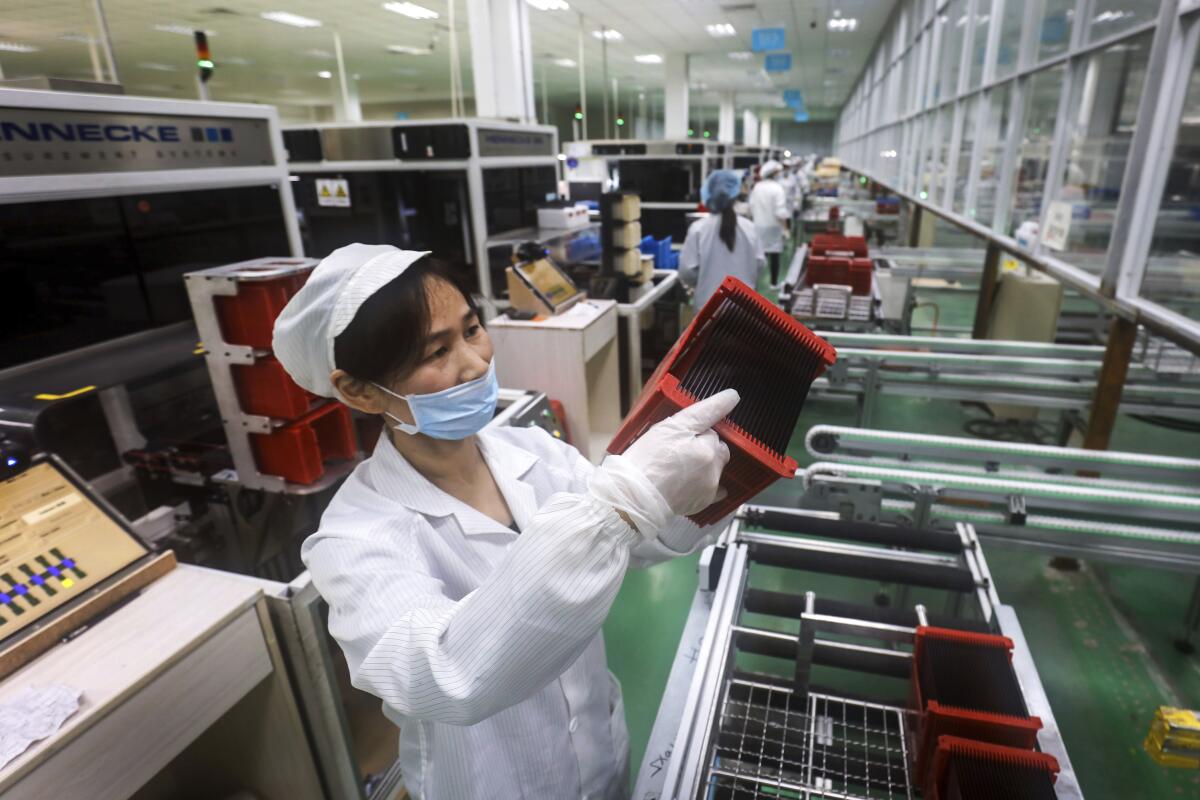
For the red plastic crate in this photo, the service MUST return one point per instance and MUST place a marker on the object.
(248, 317)
(1002, 759)
(265, 388)
(297, 452)
(776, 347)
(937, 720)
(829, 243)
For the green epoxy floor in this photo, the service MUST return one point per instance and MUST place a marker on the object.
(1102, 637)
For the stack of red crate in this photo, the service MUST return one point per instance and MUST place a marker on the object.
(833, 258)
(313, 432)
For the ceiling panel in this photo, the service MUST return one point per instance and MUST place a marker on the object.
(263, 61)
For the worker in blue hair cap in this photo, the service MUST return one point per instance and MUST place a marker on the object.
(722, 243)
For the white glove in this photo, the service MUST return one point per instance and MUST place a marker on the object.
(674, 468)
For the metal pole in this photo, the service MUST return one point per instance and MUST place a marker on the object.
(94, 55)
(201, 89)
(987, 291)
(344, 100)
(914, 226)
(545, 100)
(1110, 383)
(453, 59)
(604, 77)
(106, 40)
(582, 82)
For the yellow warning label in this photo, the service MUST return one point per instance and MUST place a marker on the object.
(341, 192)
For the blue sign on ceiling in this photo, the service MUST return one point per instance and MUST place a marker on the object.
(763, 40)
(801, 116)
(793, 98)
(778, 62)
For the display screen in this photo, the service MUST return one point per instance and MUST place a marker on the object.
(548, 280)
(55, 544)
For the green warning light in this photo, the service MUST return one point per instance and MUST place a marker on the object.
(691, 132)
(707, 134)
(578, 115)
(620, 121)
(204, 63)
(863, 180)
(924, 195)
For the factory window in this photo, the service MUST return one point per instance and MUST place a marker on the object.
(983, 21)
(1173, 272)
(1009, 50)
(1106, 89)
(1055, 35)
(994, 136)
(1041, 96)
(953, 24)
(962, 173)
(1113, 16)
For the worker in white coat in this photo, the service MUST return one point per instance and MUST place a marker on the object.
(769, 208)
(468, 571)
(721, 244)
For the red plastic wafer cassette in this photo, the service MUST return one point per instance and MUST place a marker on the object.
(738, 340)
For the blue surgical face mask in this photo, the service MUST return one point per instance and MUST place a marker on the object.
(454, 413)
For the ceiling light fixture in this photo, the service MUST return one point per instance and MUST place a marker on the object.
(324, 74)
(158, 67)
(288, 18)
(18, 47)
(843, 24)
(568, 63)
(411, 10)
(741, 55)
(182, 30)
(318, 53)
(75, 37)
(611, 34)
(721, 30)
(549, 5)
(648, 58)
(407, 50)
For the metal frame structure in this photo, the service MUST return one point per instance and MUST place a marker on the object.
(36, 188)
(744, 733)
(473, 166)
(889, 107)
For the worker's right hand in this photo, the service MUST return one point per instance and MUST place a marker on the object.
(673, 469)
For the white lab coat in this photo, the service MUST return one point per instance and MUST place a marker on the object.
(768, 207)
(483, 644)
(705, 260)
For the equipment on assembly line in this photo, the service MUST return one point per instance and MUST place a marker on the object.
(667, 175)
(738, 340)
(1093, 504)
(819, 692)
(1161, 382)
(105, 202)
(467, 189)
(831, 280)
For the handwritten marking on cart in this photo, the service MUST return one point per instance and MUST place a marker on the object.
(660, 761)
(333, 192)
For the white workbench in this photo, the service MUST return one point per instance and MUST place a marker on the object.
(184, 692)
(573, 358)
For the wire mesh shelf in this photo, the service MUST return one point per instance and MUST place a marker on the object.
(771, 743)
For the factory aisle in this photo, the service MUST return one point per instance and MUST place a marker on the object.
(1102, 636)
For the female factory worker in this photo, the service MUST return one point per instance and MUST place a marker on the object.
(723, 244)
(769, 208)
(468, 571)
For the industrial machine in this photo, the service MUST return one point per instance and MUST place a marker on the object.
(466, 189)
(793, 680)
(831, 282)
(105, 202)
(746, 156)
(666, 174)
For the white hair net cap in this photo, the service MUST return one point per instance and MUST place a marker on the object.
(770, 168)
(325, 305)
